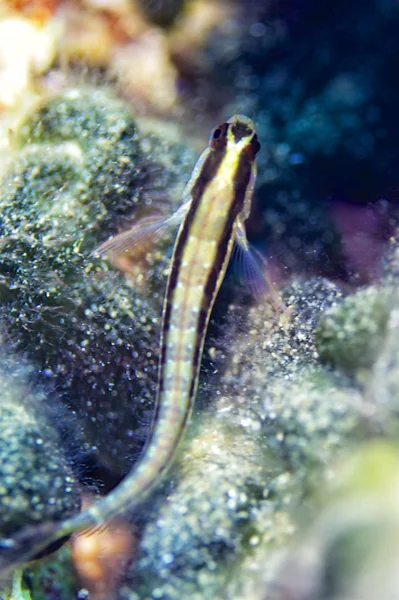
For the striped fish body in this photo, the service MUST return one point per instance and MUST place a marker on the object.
(220, 192)
(200, 258)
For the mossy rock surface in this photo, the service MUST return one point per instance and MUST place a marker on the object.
(350, 334)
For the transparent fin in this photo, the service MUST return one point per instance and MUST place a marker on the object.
(251, 268)
(94, 530)
(142, 236)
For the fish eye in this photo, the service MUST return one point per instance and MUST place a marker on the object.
(217, 133)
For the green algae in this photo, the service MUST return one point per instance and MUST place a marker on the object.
(80, 171)
(252, 457)
(272, 417)
(349, 548)
(17, 590)
(53, 578)
(45, 580)
(96, 137)
(36, 477)
(350, 334)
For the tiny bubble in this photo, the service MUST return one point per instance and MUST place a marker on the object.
(257, 29)
(168, 558)
(297, 158)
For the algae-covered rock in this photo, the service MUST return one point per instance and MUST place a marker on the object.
(54, 578)
(272, 414)
(350, 549)
(276, 362)
(45, 580)
(383, 387)
(383, 384)
(162, 12)
(37, 481)
(79, 169)
(275, 420)
(271, 417)
(350, 335)
(390, 263)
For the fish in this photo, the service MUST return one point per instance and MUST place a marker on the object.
(216, 204)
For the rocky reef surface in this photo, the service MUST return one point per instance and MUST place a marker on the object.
(283, 392)
(285, 484)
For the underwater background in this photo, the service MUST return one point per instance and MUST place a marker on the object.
(286, 486)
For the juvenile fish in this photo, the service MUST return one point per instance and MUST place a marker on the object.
(217, 201)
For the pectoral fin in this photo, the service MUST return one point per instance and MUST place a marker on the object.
(251, 268)
(142, 236)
